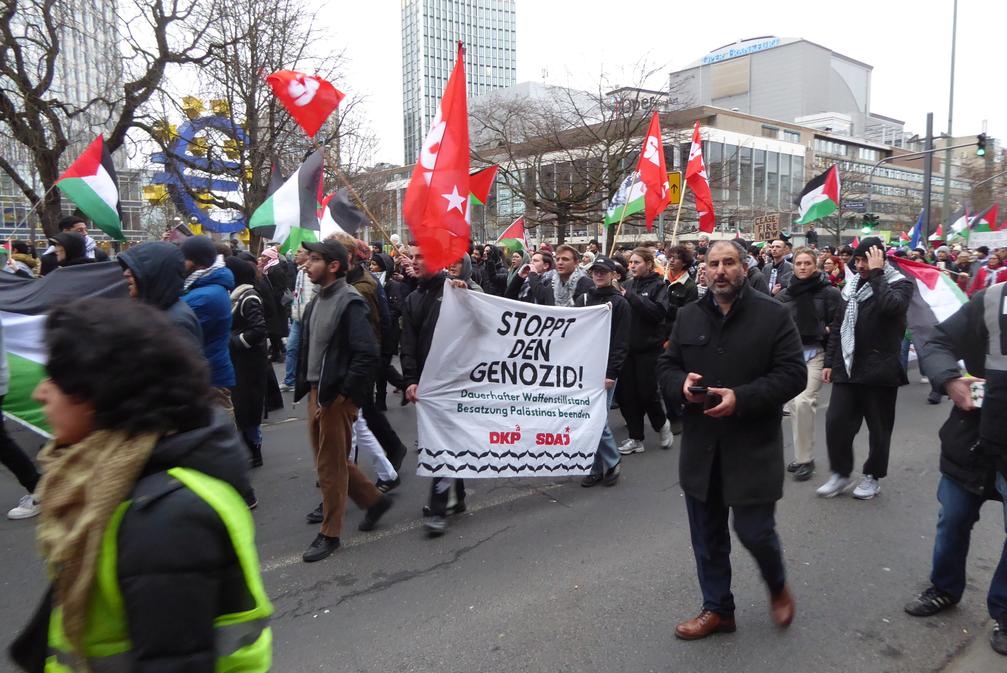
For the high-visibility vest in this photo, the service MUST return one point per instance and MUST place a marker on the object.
(243, 640)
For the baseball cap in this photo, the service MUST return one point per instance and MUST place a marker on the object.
(331, 251)
(604, 263)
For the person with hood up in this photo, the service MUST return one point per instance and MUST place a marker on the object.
(74, 225)
(533, 282)
(462, 270)
(248, 356)
(518, 260)
(494, 275)
(70, 250)
(587, 261)
(155, 273)
(148, 545)
(207, 291)
(383, 267)
(275, 277)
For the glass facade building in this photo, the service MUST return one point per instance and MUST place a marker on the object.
(431, 30)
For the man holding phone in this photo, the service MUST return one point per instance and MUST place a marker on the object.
(734, 358)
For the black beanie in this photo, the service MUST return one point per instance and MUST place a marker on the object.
(199, 250)
(867, 244)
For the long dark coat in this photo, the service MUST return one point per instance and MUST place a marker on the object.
(252, 372)
(755, 350)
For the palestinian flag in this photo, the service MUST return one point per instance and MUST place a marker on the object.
(958, 224)
(340, 215)
(24, 305)
(985, 221)
(820, 197)
(91, 184)
(939, 234)
(513, 237)
(289, 215)
(936, 299)
(480, 185)
(630, 198)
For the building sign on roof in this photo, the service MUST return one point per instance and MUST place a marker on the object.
(740, 49)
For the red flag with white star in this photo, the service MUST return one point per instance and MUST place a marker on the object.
(436, 205)
(696, 180)
(653, 173)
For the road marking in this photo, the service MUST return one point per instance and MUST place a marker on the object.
(406, 526)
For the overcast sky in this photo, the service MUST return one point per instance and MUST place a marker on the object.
(908, 43)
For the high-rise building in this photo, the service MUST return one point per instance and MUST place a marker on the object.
(431, 30)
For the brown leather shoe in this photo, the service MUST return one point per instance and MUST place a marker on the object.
(703, 625)
(781, 607)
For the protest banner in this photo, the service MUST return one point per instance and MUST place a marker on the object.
(512, 389)
(991, 239)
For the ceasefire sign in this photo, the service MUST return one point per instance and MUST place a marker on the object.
(675, 187)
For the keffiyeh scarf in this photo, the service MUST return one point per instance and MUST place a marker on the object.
(854, 297)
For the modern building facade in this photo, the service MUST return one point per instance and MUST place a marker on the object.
(431, 30)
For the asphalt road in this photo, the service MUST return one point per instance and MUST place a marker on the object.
(542, 575)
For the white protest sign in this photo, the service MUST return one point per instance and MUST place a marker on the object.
(511, 389)
(991, 239)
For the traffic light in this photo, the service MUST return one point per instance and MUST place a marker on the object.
(981, 145)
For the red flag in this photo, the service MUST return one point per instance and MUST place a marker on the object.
(480, 184)
(653, 174)
(696, 180)
(855, 243)
(436, 205)
(309, 99)
(991, 217)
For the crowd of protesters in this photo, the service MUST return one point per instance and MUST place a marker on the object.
(353, 324)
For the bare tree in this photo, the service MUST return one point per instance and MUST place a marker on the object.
(40, 120)
(562, 152)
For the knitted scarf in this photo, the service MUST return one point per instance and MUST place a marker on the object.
(199, 273)
(854, 297)
(803, 292)
(82, 485)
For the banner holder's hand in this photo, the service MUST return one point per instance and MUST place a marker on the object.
(960, 392)
(412, 393)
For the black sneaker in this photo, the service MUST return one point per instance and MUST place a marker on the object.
(375, 512)
(251, 500)
(804, 471)
(436, 525)
(591, 480)
(612, 474)
(321, 548)
(934, 397)
(676, 426)
(457, 508)
(930, 602)
(792, 467)
(315, 515)
(385, 486)
(998, 641)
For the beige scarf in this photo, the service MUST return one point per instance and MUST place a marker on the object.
(81, 487)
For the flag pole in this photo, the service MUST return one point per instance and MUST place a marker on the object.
(681, 200)
(32, 209)
(363, 206)
(618, 228)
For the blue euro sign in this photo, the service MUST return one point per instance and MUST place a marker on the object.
(179, 161)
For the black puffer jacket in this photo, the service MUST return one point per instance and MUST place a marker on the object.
(826, 300)
(648, 324)
(177, 567)
(158, 269)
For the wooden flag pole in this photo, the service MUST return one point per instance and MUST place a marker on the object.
(363, 206)
(618, 228)
(681, 200)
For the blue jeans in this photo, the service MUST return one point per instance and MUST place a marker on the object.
(293, 349)
(607, 455)
(959, 512)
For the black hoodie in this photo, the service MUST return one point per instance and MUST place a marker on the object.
(159, 271)
(176, 566)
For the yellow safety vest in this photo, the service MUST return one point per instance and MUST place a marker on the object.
(243, 640)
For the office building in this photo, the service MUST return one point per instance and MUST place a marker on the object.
(431, 30)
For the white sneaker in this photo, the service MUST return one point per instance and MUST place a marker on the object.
(667, 438)
(631, 446)
(924, 380)
(834, 486)
(26, 508)
(867, 488)
(286, 388)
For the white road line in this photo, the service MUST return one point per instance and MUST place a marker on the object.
(295, 559)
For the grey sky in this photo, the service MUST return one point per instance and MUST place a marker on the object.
(908, 43)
